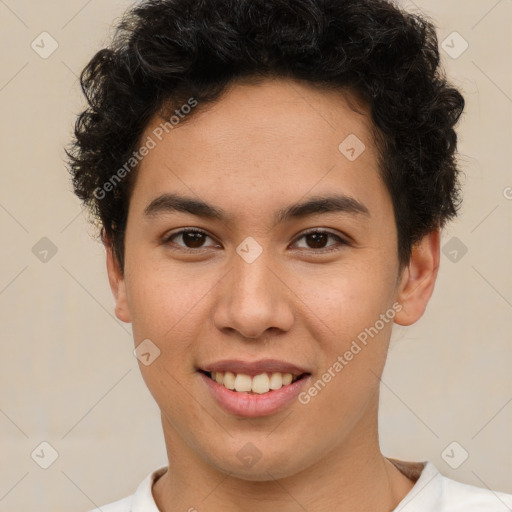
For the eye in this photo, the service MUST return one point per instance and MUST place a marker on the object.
(191, 238)
(317, 238)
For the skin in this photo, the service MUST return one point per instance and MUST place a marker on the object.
(256, 150)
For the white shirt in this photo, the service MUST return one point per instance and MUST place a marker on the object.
(432, 492)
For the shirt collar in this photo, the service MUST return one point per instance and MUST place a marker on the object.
(425, 495)
(143, 500)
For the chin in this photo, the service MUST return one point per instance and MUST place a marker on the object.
(252, 464)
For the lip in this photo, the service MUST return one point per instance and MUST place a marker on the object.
(254, 405)
(253, 368)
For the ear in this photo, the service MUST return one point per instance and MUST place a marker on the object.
(117, 284)
(418, 279)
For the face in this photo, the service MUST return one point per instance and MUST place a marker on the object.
(253, 291)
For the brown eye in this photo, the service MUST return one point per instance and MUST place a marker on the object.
(318, 240)
(194, 239)
(190, 239)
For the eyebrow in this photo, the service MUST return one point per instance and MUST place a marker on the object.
(338, 203)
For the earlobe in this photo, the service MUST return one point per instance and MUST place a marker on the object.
(418, 279)
(117, 285)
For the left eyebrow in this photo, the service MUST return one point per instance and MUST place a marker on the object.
(339, 203)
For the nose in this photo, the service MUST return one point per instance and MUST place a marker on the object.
(254, 298)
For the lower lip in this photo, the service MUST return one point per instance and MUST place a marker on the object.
(253, 405)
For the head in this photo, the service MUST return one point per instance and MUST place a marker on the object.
(256, 123)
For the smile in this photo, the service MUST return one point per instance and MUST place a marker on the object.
(258, 384)
(253, 389)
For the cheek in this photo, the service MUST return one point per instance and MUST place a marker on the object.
(353, 341)
(166, 309)
(348, 297)
(165, 303)
(348, 304)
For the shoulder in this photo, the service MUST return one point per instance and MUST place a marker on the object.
(123, 505)
(434, 492)
(141, 501)
(460, 497)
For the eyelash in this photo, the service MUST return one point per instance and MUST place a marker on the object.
(334, 247)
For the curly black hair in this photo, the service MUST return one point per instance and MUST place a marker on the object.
(167, 51)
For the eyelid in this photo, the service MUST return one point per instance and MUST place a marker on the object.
(167, 238)
(341, 239)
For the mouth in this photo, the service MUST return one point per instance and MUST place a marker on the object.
(258, 384)
(253, 388)
(258, 395)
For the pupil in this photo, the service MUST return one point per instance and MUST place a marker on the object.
(319, 239)
(194, 238)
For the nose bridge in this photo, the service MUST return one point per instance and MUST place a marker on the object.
(253, 280)
(252, 299)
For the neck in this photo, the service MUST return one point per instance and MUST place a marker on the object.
(353, 477)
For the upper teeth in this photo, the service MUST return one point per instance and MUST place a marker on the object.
(261, 383)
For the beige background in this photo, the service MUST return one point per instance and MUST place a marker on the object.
(68, 375)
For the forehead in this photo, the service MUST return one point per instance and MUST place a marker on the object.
(262, 144)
